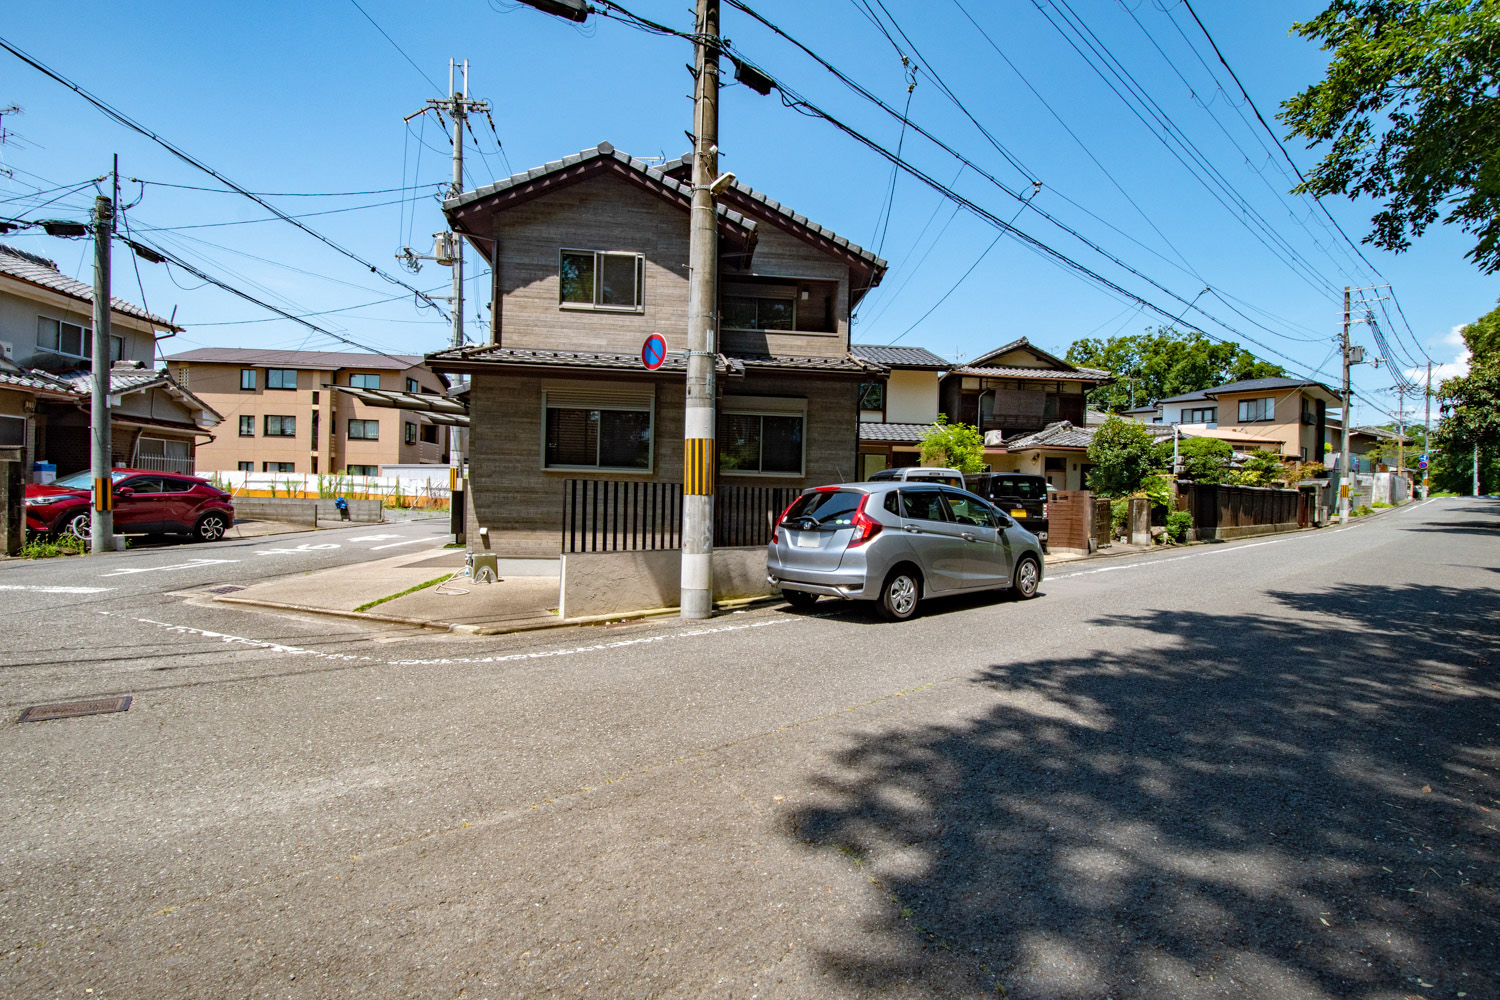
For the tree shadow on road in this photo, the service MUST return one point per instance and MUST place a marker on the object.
(1293, 805)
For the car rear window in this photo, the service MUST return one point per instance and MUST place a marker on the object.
(1026, 489)
(936, 477)
(829, 510)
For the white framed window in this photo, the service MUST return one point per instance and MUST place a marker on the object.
(1252, 410)
(281, 378)
(600, 428)
(364, 430)
(364, 380)
(278, 426)
(72, 340)
(762, 436)
(601, 279)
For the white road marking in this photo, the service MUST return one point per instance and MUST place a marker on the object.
(1158, 562)
(191, 564)
(305, 547)
(273, 647)
(372, 538)
(409, 541)
(56, 590)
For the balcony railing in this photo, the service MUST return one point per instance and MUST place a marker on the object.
(161, 463)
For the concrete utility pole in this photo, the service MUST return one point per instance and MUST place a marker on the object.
(1344, 463)
(1476, 468)
(698, 430)
(1427, 436)
(102, 522)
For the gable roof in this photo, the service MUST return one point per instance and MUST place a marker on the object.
(900, 357)
(1259, 384)
(316, 360)
(131, 377)
(34, 269)
(1060, 370)
(1187, 397)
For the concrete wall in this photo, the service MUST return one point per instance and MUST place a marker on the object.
(911, 397)
(304, 511)
(606, 583)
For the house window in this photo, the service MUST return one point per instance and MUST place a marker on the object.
(280, 427)
(429, 433)
(1203, 415)
(364, 430)
(612, 436)
(361, 380)
(281, 378)
(600, 279)
(872, 395)
(278, 467)
(362, 470)
(247, 379)
(245, 466)
(745, 312)
(409, 432)
(412, 385)
(1252, 410)
(68, 339)
(247, 426)
(761, 443)
(12, 432)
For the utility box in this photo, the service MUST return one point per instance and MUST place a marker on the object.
(484, 567)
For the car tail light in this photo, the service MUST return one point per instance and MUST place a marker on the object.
(865, 526)
(776, 528)
(1045, 508)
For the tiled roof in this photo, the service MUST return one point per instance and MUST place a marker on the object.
(125, 379)
(20, 378)
(897, 433)
(1380, 433)
(899, 357)
(1017, 344)
(319, 360)
(39, 270)
(1064, 434)
(1257, 384)
(846, 363)
(1186, 397)
(1049, 374)
(567, 359)
(603, 150)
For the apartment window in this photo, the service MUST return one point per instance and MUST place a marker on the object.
(364, 430)
(604, 430)
(278, 467)
(247, 426)
(1203, 415)
(362, 470)
(1252, 410)
(601, 279)
(247, 379)
(281, 378)
(872, 396)
(245, 466)
(429, 433)
(760, 312)
(361, 380)
(761, 443)
(412, 385)
(280, 427)
(315, 397)
(409, 432)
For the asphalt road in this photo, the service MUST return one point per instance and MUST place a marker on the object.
(1263, 769)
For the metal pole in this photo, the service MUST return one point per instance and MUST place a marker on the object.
(1344, 484)
(456, 493)
(1427, 437)
(1476, 468)
(102, 522)
(698, 433)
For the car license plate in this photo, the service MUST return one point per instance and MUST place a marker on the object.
(1018, 513)
(805, 539)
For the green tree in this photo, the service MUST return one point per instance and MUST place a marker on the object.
(1472, 419)
(1482, 336)
(1163, 362)
(1123, 454)
(953, 446)
(1204, 459)
(1410, 108)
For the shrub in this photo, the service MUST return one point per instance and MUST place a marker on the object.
(1119, 515)
(1178, 523)
(1381, 505)
(953, 446)
(1123, 454)
(1360, 511)
(1204, 459)
(37, 547)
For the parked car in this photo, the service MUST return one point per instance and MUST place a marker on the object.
(1022, 496)
(925, 473)
(146, 503)
(896, 544)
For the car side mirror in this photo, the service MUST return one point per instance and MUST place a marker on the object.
(124, 491)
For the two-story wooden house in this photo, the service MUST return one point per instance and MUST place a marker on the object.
(894, 414)
(588, 257)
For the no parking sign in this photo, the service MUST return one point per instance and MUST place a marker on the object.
(654, 351)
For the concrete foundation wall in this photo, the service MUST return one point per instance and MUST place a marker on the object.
(305, 511)
(604, 583)
(1243, 531)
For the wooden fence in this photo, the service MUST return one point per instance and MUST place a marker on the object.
(1235, 511)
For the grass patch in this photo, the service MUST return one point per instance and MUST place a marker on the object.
(409, 590)
(1381, 505)
(62, 545)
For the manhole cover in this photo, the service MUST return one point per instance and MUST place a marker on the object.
(73, 709)
(228, 588)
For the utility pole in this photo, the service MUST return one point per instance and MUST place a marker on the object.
(102, 521)
(698, 429)
(1344, 463)
(1427, 436)
(1476, 468)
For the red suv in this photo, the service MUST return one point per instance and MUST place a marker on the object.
(145, 503)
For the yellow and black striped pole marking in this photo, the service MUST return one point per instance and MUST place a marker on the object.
(104, 495)
(698, 467)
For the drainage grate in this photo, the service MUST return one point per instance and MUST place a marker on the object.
(73, 709)
(228, 588)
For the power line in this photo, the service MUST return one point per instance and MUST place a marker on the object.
(284, 194)
(397, 47)
(189, 159)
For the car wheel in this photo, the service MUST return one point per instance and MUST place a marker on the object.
(898, 597)
(210, 528)
(1028, 576)
(80, 526)
(800, 599)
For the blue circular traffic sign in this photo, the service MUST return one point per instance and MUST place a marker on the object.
(654, 351)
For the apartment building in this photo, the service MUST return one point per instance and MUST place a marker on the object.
(286, 411)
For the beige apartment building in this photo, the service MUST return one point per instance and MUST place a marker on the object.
(285, 411)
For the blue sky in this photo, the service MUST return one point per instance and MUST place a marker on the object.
(310, 98)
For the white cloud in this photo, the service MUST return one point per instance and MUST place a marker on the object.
(1453, 339)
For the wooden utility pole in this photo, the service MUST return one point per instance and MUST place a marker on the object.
(1344, 483)
(1427, 437)
(698, 431)
(101, 451)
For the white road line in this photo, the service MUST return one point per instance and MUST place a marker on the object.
(371, 538)
(56, 590)
(304, 547)
(193, 564)
(273, 647)
(409, 541)
(1158, 562)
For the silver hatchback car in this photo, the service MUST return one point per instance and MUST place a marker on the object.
(896, 543)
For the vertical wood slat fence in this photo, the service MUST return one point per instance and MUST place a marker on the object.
(615, 516)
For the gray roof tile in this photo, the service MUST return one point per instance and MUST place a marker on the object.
(39, 270)
(899, 357)
(320, 360)
(893, 433)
